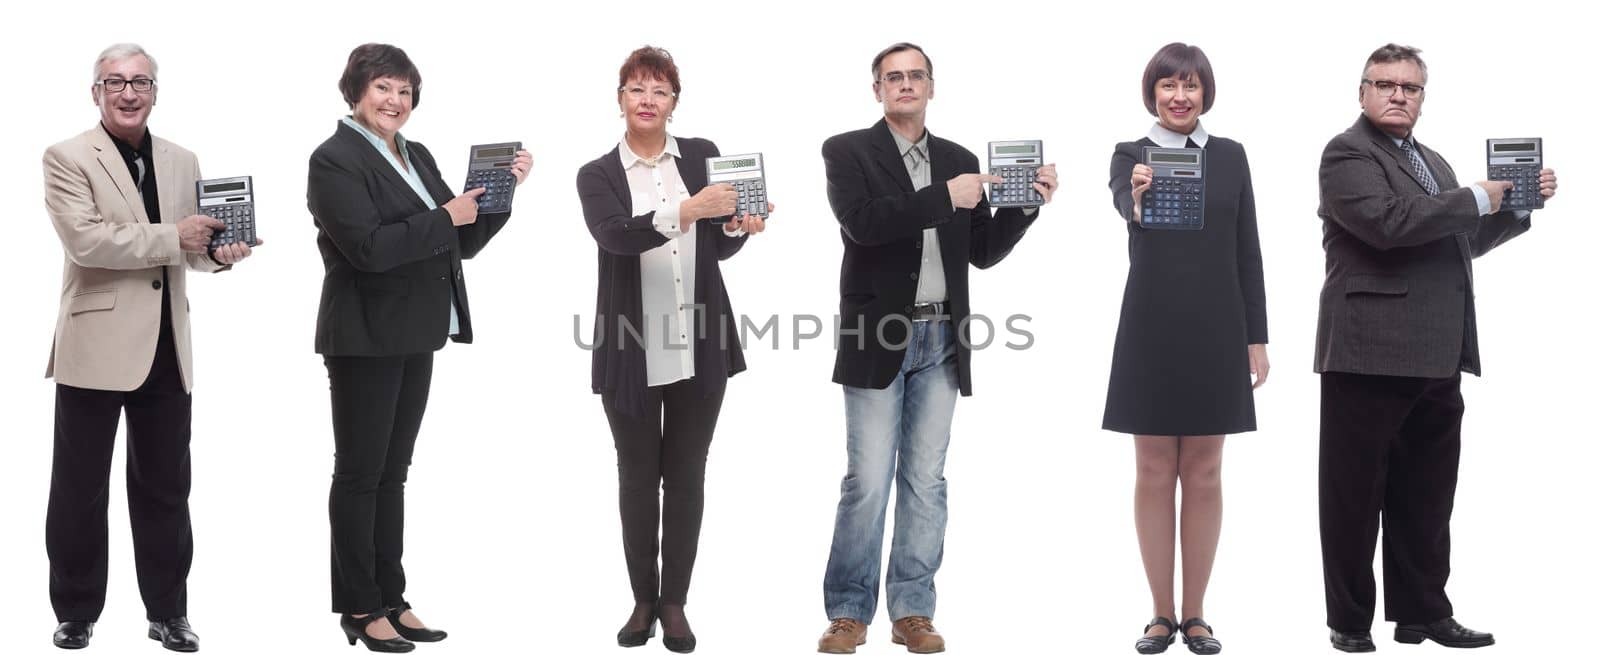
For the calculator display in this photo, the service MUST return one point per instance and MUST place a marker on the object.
(1165, 158)
(495, 152)
(1013, 150)
(223, 188)
(732, 164)
(1513, 147)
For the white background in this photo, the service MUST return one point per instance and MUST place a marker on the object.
(513, 533)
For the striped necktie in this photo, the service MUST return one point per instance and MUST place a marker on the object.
(1419, 168)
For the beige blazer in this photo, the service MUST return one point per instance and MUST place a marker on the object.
(110, 302)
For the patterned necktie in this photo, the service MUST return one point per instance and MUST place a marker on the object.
(1420, 169)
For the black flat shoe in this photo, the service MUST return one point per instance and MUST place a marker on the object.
(175, 634)
(1352, 642)
(632, 638)
(355, 629)
(1204, 644)
(413, 634)
(679, 644)
(73, 635)
(1445, 632)
(1158, 644)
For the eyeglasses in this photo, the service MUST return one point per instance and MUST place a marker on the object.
(117, 84)
(1386, 89)
(917, 76)
(657, 94)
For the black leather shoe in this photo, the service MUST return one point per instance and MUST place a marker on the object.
(1206, 644)
(632, 638)
(672, 616)
(1158, 644)
(413, 634)
(175, 634)
(1352, 642)
(73, 635)
(355, 629)
(1445, 632)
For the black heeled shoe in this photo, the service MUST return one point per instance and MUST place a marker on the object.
(674, 643)
(1159, 644)
(631, 638)
(413, 634)
(1202, 645)
(355, 629)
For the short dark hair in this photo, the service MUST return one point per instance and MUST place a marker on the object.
(900, 47)
(1185, 62)
(1393, 52)
(650, 61)
(374, 60)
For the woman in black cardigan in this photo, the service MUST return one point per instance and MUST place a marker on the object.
(665, 338)
(392, 239)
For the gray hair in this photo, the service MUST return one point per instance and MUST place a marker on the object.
(120, 51)
(1387, 54)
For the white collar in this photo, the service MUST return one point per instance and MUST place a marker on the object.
(629, 158)
(1169, 139)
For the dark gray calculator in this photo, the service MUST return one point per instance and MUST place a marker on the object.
(1176, 199)
(1016, 162)
(1518, 161)
(747, 176)
(490, 168)
(232, 201)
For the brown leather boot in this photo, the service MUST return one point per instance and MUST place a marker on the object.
(842, 636)
(918, 635)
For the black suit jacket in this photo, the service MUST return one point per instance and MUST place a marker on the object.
(881, 218)
(618, 360)
(391, 265)
(1397, 298)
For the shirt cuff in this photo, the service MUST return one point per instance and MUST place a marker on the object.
(1483, 199)
(1522, 214)
(1029, 211)
(734, 234)
(667, 222)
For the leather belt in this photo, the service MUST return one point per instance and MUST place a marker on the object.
(928, 311)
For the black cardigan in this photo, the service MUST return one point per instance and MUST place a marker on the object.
(391, 265)
(618, 368)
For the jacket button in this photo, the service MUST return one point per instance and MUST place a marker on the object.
(919, 245)
(908, 309)
(155, 284)
(913, 276)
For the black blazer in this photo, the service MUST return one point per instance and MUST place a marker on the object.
(391, 265)
(618, 362)
(881, 218)
(1397, 298)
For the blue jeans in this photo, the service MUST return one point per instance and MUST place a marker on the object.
(908, 422)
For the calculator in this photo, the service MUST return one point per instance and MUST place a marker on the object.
(490, 168)
(1016, 162)
(230, 200)
(747, 176)
(1176, 198)
(1518, 161)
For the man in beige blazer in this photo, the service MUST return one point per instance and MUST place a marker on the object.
(123, 204)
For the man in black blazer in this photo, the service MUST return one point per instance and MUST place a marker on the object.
(1397, 326)
(912, 215)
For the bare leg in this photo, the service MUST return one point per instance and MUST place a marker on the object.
(1200, 469)
(1156, 459)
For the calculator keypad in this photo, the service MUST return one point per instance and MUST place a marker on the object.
(1017, 189)
(239, 224)
(752, 197)
(1171, 202)
(498, 184)
(1524, 193)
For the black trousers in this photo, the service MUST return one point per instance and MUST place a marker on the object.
(377, 409)
(663, 450)
(1388, 456)
(158, 490)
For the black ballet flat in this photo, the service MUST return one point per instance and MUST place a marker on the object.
(1204, 645)
(414, 634)
(1148, 645)
(355, 629)
(632, 638)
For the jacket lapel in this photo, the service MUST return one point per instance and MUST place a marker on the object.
(379, 162)
(1386, 143)
(111, 162)
(887, 155)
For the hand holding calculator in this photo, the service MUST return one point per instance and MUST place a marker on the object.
(749, 180)
(490, 169)
(230, 200)
(1519, 162)
(1016, 162)
(1176, 198)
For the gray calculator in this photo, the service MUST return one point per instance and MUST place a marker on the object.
(232, 201)
(1176, 199)
(1518, 161)
(1016, 162)
(490, 168)
(747, 176)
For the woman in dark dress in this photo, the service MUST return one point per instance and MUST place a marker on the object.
(1193, 333)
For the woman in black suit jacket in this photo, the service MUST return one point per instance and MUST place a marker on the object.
(1193, 332)
(392, 239)
(659, 368)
